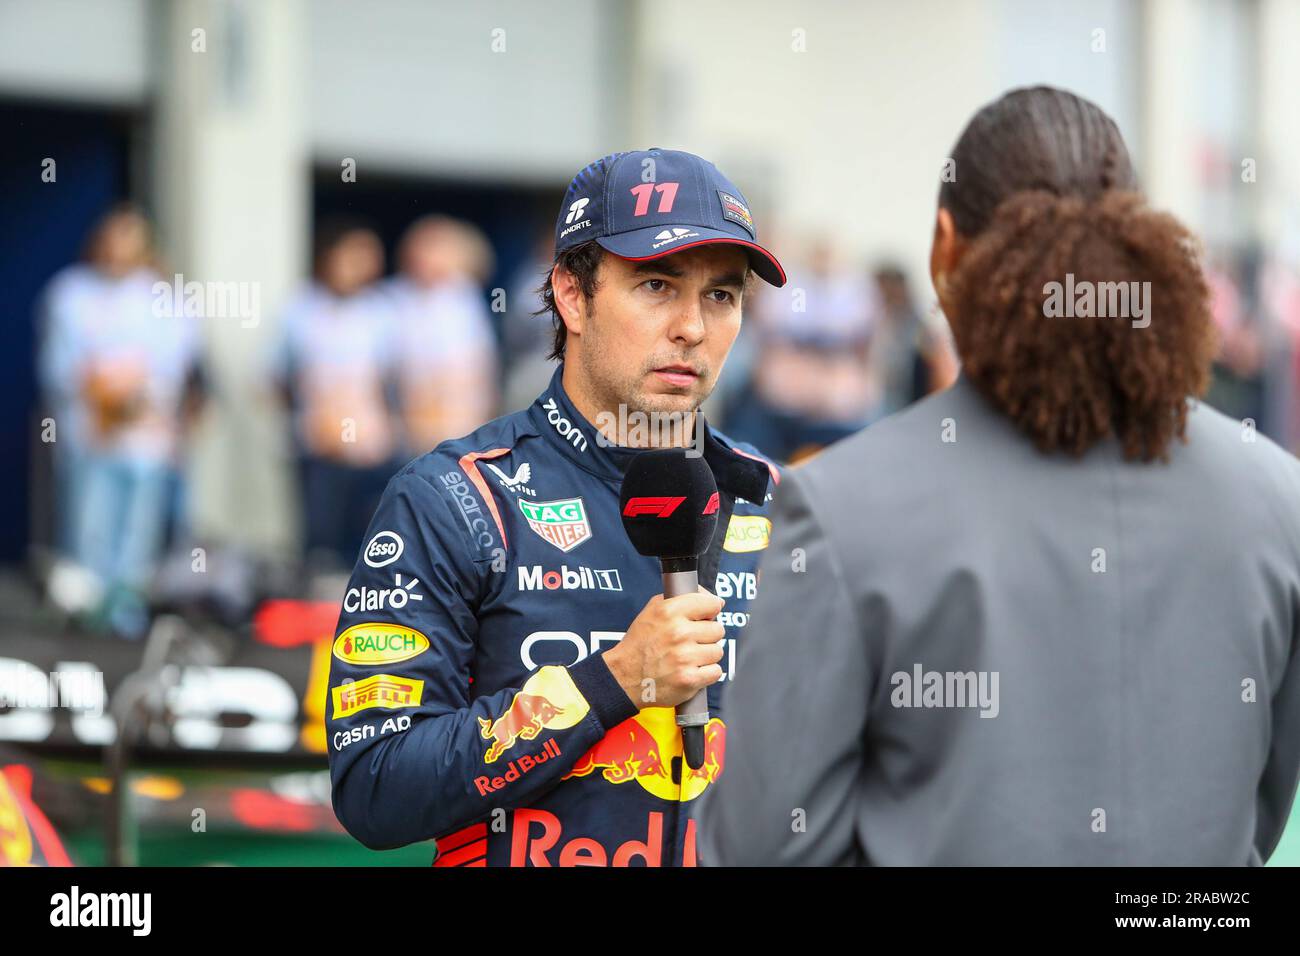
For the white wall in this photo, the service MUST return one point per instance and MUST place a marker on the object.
(850, 135)
(92, 52)
(405, 84)
(1278, 142)
(234, 207)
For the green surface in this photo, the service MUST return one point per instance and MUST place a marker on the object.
(180, 847)
(172, 842)
(168, 844)
(1288, 848)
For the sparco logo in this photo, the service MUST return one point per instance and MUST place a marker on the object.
(384, 548)
(534, 578)
(454, 483)
(563, 426)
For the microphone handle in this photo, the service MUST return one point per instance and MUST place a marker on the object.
(693, 714)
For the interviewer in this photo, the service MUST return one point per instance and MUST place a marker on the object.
(1048, 616)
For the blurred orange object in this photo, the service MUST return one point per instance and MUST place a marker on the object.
(288, 623)
(26, 837)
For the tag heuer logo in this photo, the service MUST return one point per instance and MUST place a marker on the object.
(562, 523)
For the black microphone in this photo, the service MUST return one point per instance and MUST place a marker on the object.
(669, 504)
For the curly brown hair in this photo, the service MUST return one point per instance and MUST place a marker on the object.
(1049, 197)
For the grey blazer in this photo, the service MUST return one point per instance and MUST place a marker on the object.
(968, 652)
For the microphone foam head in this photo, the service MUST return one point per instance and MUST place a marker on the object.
(669, 503)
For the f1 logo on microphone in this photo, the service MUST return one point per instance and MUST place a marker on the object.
(659, 507)
(662, 507)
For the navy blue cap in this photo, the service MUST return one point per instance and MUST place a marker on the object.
(653, 202)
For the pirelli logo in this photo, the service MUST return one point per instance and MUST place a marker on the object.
(382, 690)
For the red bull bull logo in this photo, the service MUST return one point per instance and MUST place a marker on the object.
(643, 748)
(625, 753)
(548, 700)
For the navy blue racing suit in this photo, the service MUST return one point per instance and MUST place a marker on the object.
(469, 700)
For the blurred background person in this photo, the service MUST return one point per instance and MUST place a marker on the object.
(527, 333)
(1239, 367)
(114, 371)
(811, 384)
(1280, 301)
(446, 349)
(335, 362)
(908, 359)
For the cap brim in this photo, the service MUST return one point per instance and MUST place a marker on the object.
(639, 246)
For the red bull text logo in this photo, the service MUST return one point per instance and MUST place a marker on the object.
(535, 833)
(517, 768)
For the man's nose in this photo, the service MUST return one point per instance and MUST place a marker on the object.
(688, 323)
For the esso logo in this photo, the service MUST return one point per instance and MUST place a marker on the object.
(384, 548)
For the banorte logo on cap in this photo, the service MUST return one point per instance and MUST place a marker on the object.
(574, 221)
(575, 209)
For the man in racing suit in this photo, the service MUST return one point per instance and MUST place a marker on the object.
(482, 689)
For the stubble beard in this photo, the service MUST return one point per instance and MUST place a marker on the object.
(611, 391)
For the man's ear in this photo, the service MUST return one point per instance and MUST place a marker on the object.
(948, 244)
(945, 253)
(569, 301)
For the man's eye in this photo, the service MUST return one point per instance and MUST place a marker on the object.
(655, 285)
(721, 295)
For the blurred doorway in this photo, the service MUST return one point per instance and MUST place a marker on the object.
(42, 225)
